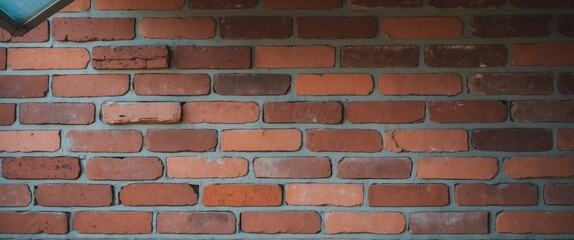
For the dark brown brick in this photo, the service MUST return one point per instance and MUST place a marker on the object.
(385, 112)
(57, 113)
(23, 86)
(466, 3)
(385, 3)
(378, 168)
(512, 139)
(7, 114)
(511, 26)
(543, 111)
(199, 57)
(294, 167)
(347, 27)
(252, 84)
(260, 27)
(542, 4)
(465, 56)
(566, 83)
(197, 140)
(222, 4)
(467, 111)
(559, 194)
(566, 25)
(510, 83)
(499, 194)
(301, 4)
(41, 168)
(303, 112)
(448, 222)
(379, 56)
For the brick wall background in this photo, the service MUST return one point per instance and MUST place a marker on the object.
(290, 118)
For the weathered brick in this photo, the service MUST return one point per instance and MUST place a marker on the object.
(404, 56)
(102, 85)
(333, 84)
(467, 112)
(566, 83)
(199, 167)
(197, 140)
(422, 27)
(112, 222)
(29, 141)
(565, 25)
(511, 26)
(566, 139)
(374, 168)
(539, 167)
(130, 57)
(93, 29)
(104, 141)
(292, 167)
(535, 222)
(446, 84)
(57, 113)
(364, 222)
(303, 112)
(264, 140)
(465, 56)
(408, 195)
(347, 27)
(172, 84)
(74, 195)
(385, 112)
(448, 222)
(31, 86)
(196, 222)
(158, 194)
(499, 194)
(290, 222)
(198, 57)
(295, 56)
(426, 140)
(77, 6)
(141, 113)
(559, 194)
(385, 3)
(301, 4)
(510, 83)
(542, 4)
(344, 195)
(178, 28)
(512, 139)
(542, 54)
(14, 195)
(242, 195)
(222, 4)
(47, 58)
(478, 168)
(542, 111)
(33, 222)
(117, 169)
(257, 27)
(41, 168)
(465, 4)
(38, 34)
(220, 112)
(7, 114)
(341, 140)
(139, 4)
(252, 84)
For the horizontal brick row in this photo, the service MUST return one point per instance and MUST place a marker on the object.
(195, 167)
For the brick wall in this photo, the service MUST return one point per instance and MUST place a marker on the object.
(290, 118)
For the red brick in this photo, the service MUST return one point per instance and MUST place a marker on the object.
(467, 112)
(421, 140)
(301, 4)
(197, 140)
(178, 28)
(14, 195)
(172, 84)
(57, 113)
(12, 86)
(566, 139)
(535, 222)
(347, 27)
(102, 85)
(198, 57)
(41, 168)
(566, 83)
(542, 4)
(334, 84)
(559, 194)
(141, 113)
(93, 29)
(220, 112)
(510, 83)
(422, 28)
(512, 139)
(7, 114)
(3, 58)
(292, 167)
(476, 168)
(374, 168)
(408, 195)
(127, 57)
(291, 222)
(196, 222)
(117, 169)
(77, 6)
(542, 54)
(385, 112)
(542, 111)
(445, 84)
(465, 56)
(295, 56)
(33, 222)
(565, 24)
(29, 141)
(242, 195)
(448, 223)
(344, 140)
(47, 58)
(385, 3)
(499, 194)
(158, 194)
(364, 222)
(264, 140)
(343, 195)
(222, 4)
(252, 84)
(404, 56)
(139, 4)
(303, 112)
(511, 26)
(466, 4)
(104, 141)
(38, 34)
(539, 167)
(112, 222)
(74, 195)
(199, 167)
(259, 27)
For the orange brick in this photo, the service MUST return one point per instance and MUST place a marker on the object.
(295, 57)
(287, 140)
(333, 84)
